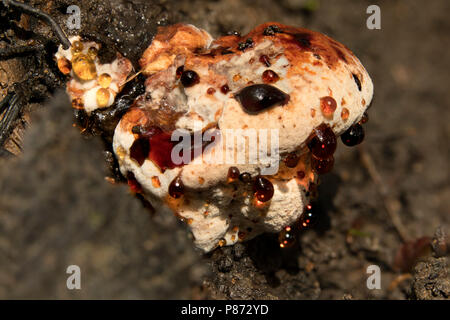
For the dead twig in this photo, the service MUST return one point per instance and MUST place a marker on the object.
(391, 205)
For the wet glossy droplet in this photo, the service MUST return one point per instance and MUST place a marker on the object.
(323, 143)
(104, 80)
(263, 189)
(84, 67)
(102, 97)
(233, 174)
(258, 97)
(189, 78)
(301, 174)
(353, 136)
(211, 91)
(322, 166)
(176, 188)
(92, 52)
(286, 238)
(225, 89)
(291, 160)
(270, 76)
(345, 114)
(365, 118)
(77, 47)
(328, 105)
(245, 177)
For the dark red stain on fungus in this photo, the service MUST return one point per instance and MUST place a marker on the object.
(259, 97)
(303, 40)
(139, 150)
(179, 72)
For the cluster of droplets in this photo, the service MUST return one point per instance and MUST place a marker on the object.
(83, 66)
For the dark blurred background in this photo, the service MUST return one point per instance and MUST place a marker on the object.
(57, 209)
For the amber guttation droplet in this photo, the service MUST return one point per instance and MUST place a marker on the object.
(270, 76)
(210, 91)
(139, 150)
(301, 174)
(291, 160)
(92, 52)
(323, 143)
(77, 47)
(225, 89)
(64, 65)
(104, 80)
(241, 235)
(102, 97)
(84, 67)
(189, 78)
(353, 136)
(176, 188)
(328, 105)
(222, 242)
(233, 174)
(322, 166)
(265, 60)
(286, 238)
(77, 103)
(263, 189)
(245, 177)
(308, 217)
(258, 97)
(364, 119)
(345, 114)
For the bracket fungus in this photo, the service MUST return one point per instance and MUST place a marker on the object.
(304, 86)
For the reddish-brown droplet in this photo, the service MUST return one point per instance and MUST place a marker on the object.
(365, 118)
(270, 76)
(286, 238)
(259, 97)
(263, 189)
(189, 78)
(345, 114)
(328, 106)
(233, 174)
(225, 89)
(176, 188)
(245, 177)
(353, 136)
(210, 91)
(265, 60)
(139, 150)
(323, 143)
(322, 166)
(301, 174)
(291, 160)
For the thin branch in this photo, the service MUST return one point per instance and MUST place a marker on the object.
(22, 7)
